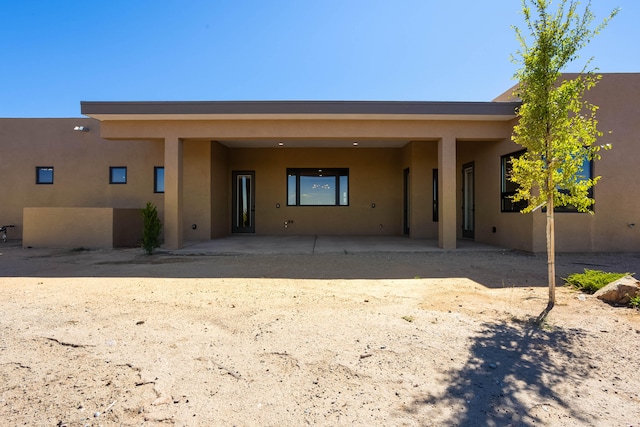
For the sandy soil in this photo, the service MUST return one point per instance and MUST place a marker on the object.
(395, 339)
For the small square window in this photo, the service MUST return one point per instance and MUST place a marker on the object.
(118, 175)
(44, 175)
(158, 179)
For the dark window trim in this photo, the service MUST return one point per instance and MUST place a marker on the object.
(38, 181)
(155, 179)
(111, 169)
(571, 208)
(337, 173)
(435, 195)
(518, 206)
(505, 196)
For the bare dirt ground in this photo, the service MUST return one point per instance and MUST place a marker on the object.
(395, 339)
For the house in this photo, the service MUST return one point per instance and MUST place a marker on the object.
(427, 170)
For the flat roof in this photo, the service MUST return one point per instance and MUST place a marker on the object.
(225, 110)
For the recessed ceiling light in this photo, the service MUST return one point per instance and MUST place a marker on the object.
(280, 144)
(355, 144)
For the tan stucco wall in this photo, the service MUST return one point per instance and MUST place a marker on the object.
(220, 191)
(513, 229)
(375, 176)
(197, 190)
(68, 227)
(81, 162)
(421, 157)
(74, 227)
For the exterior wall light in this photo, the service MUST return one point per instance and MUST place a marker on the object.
(81, 129)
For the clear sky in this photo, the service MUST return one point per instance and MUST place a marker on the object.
(57, 53)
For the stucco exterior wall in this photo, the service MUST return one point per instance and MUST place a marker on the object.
(68, 227)
(203, 153)
(220, 191)
(375, 177)
(197, 190)
(421, 157)
(81, 162)
(75, 227)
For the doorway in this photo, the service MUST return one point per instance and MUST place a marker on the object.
(468, 201)
(243, 202)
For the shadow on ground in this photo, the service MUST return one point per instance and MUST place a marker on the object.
(492, 269)
(516, 374)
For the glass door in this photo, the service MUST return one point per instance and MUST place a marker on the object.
(407, 203)
(243, 202)
(468, 201)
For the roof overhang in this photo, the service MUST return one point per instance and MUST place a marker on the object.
(300, 110)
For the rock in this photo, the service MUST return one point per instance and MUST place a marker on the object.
(620, 291)
(164, 400)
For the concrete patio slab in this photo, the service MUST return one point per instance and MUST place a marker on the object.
(250, 244)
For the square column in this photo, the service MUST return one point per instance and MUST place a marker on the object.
(173, 230)
(447, 218)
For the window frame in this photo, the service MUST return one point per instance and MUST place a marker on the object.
(505, 196)
(112, 169)
(156, 189)
(340, 180)
(40, 181)
(518, 206)
(435, 200)
(571, 208)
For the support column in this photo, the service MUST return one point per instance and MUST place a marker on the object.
(173, 230)
(447, 218)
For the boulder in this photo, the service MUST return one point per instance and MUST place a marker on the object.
(619, 291)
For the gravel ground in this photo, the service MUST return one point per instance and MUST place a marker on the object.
(400, 339)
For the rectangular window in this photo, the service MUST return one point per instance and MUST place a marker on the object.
(507, 188)
(587, 173)
(435, 195)
(317, 187)
(117, 175)
(44, 174)
(158, 179)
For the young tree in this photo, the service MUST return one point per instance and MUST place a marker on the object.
(557, 127)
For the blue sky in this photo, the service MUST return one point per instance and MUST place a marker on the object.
(57, 53)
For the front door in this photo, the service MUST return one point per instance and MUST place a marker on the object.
(468, 201)
(243, 202)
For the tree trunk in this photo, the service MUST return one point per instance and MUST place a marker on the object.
(551, 252)
(551, 261)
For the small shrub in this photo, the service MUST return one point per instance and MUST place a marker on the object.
(592, 280)
(635, 302)
(151, 228)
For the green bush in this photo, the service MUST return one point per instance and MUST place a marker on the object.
(151, 228)
(592, 280)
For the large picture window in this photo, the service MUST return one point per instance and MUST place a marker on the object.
(318, 187)
(508, 188)
(586, 173)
